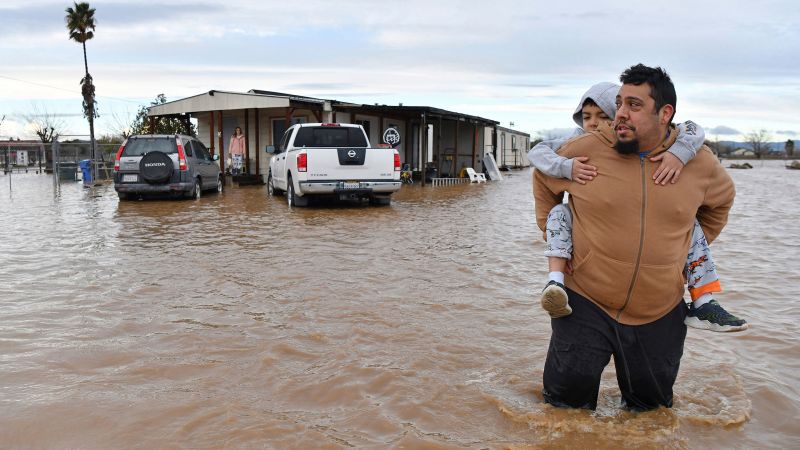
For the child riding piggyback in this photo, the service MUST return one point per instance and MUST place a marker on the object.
(596, 107)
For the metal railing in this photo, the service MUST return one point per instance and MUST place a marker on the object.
(448, 181)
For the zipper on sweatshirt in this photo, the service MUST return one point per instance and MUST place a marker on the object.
(641, 237)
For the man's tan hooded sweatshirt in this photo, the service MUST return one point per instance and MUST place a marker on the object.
(631, 236)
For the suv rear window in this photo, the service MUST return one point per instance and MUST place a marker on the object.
(140, 146)
(330, 137)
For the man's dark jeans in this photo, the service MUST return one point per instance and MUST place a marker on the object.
(647, 357)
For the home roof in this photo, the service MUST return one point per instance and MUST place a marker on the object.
(216, 100)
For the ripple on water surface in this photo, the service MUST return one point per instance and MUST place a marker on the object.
(236, 321)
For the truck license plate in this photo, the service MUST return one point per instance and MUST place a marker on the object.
(351, 185)
(130, 178)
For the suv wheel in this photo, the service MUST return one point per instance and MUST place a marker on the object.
(198, 190)
(220, 186)
(156, 167)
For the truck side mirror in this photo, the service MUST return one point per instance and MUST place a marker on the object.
(215, 158)
(271, 149)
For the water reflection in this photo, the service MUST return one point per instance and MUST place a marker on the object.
(236, 321)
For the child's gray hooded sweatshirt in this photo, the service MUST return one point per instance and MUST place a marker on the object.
(543, 156)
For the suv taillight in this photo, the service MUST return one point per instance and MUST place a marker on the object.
(181, 155)
(302, 162)
(396, 162)
(119, 155)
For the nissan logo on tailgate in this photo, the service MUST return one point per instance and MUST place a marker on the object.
(153, 164)
(351, 153)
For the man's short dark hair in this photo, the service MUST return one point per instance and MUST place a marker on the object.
(661, 88)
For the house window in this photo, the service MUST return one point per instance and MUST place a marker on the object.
(279, 127)
(365, 124)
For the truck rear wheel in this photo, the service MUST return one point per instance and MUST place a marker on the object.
(382, 200)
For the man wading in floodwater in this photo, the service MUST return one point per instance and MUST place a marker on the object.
(629, 250)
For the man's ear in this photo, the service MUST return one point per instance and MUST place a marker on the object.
(666, 113)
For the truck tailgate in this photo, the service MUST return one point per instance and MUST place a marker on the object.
(350, 164)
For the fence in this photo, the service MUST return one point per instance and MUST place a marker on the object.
(448, 181)
(66, 155)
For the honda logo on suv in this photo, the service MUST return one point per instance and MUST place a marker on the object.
(160, 164)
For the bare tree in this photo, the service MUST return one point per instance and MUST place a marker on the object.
(121, 125)
(758, 141)
(46, 125)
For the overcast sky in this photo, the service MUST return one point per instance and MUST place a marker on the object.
(735, 64)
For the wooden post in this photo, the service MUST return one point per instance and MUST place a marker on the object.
(424, 150)
(258, 146)
(455, 157)
(439, 148)
(247, 139)
(404, 141)
(288, 118)
(211, 132)
(221, 146)
(474, 143)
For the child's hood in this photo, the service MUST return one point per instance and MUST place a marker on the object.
(605, 95)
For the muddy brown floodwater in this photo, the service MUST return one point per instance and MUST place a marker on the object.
(235, 322)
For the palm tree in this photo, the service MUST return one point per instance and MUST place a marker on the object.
(81, 25)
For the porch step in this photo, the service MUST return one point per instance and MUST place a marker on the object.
(248, 180)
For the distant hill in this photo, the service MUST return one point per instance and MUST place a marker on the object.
(773, 146)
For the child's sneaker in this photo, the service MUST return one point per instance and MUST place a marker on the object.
(712, 316)
(555, 300)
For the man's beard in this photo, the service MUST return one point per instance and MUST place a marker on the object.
(627, 148)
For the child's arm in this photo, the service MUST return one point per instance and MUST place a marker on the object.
(690, 138)
(543, 156)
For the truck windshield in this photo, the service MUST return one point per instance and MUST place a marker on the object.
(330, 137)
(140, 146)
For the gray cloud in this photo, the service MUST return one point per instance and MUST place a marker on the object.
(322, 86)
(529, 85)
(136, 12)
(723, 130)
(787, 132)
(555, 133)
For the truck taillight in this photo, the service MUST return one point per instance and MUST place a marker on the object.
(181, 156)
(119, 155)
(302, 162)
(396, 162)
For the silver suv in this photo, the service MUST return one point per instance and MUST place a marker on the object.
(175, 165)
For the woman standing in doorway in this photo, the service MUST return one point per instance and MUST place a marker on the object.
(236, 151)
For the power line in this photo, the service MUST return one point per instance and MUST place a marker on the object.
(65, 90)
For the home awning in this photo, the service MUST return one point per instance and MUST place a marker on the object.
(219, 101)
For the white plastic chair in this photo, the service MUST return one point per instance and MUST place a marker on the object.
(475, 177)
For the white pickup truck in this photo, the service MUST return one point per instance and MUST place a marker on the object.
(332, 159)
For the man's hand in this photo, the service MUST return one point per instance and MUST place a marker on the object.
(669, 169)
(582, 172)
